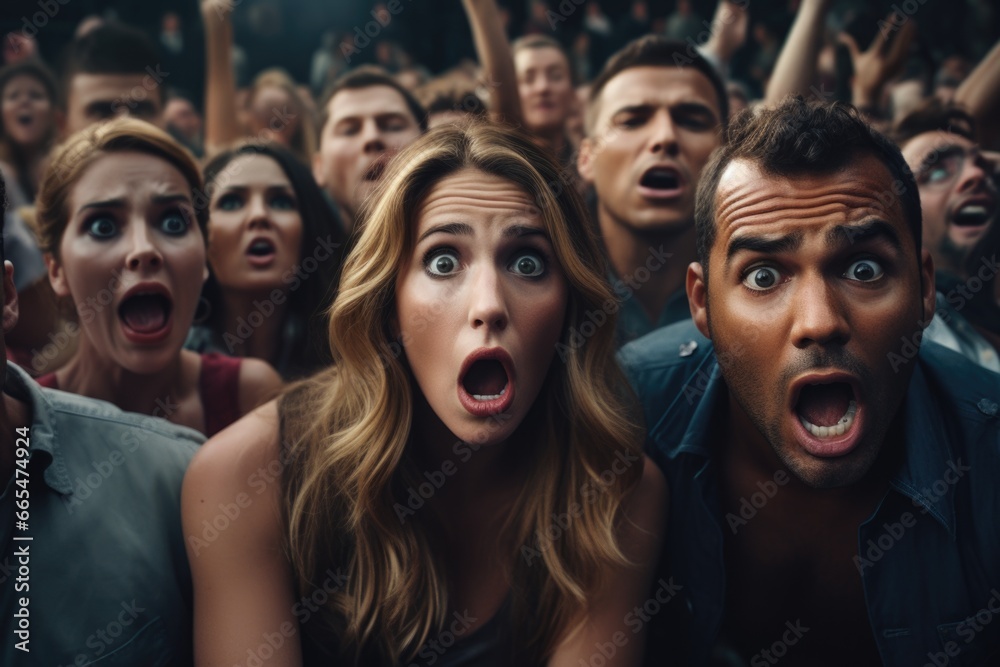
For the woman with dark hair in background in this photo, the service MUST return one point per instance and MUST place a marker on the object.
(28, 122)
(274, 249)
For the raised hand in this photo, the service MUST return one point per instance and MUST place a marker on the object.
(883, 59)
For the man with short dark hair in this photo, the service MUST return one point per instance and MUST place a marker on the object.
(656, 113)
(959, 201)
(112, 70)
(92, 556)
(837, 479)
(366, 117)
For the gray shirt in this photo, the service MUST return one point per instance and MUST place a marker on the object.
(107, 574)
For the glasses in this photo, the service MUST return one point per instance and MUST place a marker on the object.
(942, 167)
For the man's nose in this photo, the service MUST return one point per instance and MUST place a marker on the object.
(664, 134)
(817, 312)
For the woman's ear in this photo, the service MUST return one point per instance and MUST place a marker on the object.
(57, 277)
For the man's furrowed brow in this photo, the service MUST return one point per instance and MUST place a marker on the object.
(867, 230)
(455, 228)
(634, 107)
(764, 245)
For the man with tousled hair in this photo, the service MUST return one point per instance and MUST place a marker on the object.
(960, 203)
(112, 70)
(656, 112)
(837, 477)
(366, 117)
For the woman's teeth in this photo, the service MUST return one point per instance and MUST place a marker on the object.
(840, 428)
(489, 397)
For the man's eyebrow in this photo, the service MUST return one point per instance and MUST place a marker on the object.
(694, 107)
(102, 107)
(456, 228)
(763, 245)
(946, 150)
(638, 107)
(867, 230)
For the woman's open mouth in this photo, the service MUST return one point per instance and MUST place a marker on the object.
(145, 316)
(485, 385)
(261, 252)
(828, 416)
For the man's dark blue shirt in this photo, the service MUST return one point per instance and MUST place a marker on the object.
(928, 557)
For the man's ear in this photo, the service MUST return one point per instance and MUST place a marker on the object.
(585, 160)
(57, 277)
(10, 311)
(317, 168)
(697, 291)
(929, 293)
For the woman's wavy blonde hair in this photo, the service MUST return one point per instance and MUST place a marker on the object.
(347, 430)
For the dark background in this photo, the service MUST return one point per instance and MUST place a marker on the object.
(436, 33)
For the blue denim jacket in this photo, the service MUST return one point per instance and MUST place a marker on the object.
(932, 589)
(105, 575)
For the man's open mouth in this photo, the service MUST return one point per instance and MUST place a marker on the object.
(974, 214)
(827, 410)
(661, 179)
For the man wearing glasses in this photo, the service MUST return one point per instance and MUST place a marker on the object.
(959, 204)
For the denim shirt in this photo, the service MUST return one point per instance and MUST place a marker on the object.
(108, 581)
(929, 555)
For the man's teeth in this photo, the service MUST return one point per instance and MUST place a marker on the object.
(840, 428)
(489, 397)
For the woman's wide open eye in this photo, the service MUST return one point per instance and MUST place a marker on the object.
(441, 263)
(102, 227)
(229, 202)
(282, 202)
(174, 223)
(761, 278)
(528, 264)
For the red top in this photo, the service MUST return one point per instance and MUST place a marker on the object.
(218, 385)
